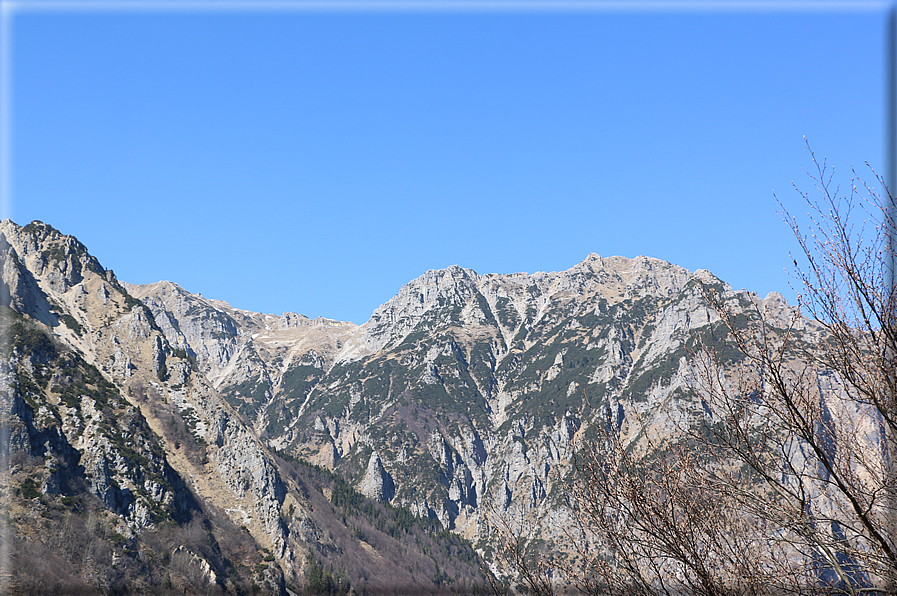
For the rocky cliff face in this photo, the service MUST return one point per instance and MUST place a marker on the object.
(119, 337)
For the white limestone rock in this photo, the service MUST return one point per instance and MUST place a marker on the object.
(377, 483)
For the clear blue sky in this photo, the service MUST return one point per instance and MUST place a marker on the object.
(314, 161)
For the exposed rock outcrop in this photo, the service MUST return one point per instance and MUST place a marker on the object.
(377, 483)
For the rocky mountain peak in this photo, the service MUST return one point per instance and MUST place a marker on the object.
(618, 278)
(60, 261)
(436, 287)
(417, 300)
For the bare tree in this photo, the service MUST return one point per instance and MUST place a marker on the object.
(518, 533)
(673, 522)
(816, 421)
(783, 481)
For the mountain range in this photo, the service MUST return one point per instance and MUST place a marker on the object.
(161, 440)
